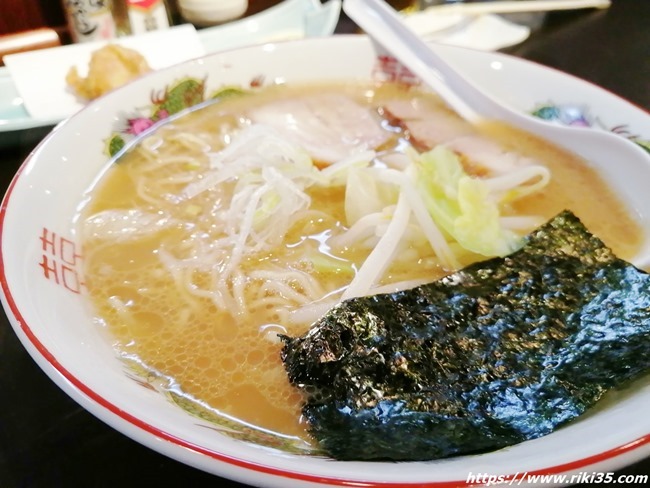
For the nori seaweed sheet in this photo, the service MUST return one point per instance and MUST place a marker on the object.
(502, 351)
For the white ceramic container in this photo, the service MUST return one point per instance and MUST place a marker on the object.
(43, 294)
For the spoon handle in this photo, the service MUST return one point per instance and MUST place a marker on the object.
(384, 25)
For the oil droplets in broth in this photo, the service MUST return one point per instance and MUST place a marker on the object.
(154, 261)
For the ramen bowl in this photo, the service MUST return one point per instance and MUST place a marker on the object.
(45, 298)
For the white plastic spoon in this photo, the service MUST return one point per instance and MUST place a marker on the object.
(624, 164)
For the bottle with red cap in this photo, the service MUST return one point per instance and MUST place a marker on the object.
(147, 15)
(94, 20)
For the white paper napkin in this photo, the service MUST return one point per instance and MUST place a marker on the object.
(39, 76)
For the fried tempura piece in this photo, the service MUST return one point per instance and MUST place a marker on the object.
(110, 67)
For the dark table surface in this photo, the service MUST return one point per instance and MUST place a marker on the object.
(47, 440)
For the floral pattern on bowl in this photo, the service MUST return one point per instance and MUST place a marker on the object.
(577, 116)
(171, 101)
(189, 92)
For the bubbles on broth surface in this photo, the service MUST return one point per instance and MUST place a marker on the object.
(160, 310)
(230, 366)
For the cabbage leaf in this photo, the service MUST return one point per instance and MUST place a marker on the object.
(461, 205)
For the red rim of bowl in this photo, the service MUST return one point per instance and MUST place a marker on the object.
(242, 463)
(237, 462)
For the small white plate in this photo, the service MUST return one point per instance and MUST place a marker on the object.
(55, 100)
(291, 19)
(483, 32)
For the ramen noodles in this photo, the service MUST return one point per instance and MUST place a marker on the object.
(253, 215)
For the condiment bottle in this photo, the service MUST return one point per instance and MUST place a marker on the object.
(148, 15)
(90, 20)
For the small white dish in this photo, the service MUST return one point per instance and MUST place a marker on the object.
(291, 19)
(42, 290)
(55, 100)
(211, 12)
(484, 32)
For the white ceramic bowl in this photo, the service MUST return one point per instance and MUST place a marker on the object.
(44, 299)
(211, 12)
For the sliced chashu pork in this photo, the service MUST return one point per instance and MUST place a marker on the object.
(329, 126)
(429, 124)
